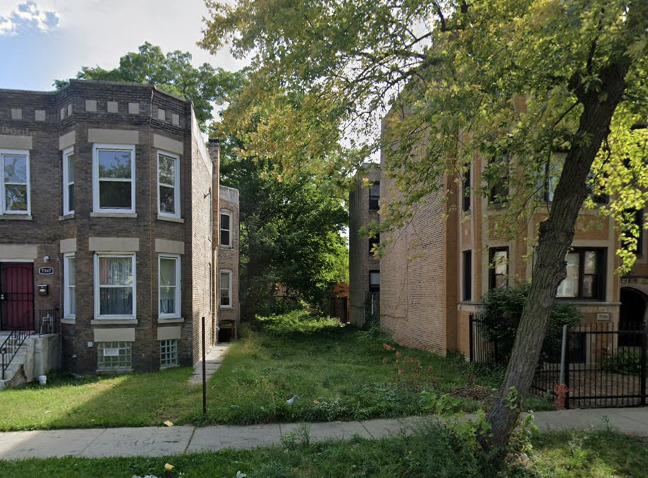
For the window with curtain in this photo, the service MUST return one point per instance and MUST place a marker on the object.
(115, 285)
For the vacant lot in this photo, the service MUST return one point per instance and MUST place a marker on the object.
(334, 373)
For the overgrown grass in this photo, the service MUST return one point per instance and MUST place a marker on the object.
(435, 451)
(336, 373)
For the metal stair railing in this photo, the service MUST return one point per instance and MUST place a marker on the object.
(11, 346)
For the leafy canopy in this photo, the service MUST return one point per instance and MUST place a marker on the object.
(491, 77)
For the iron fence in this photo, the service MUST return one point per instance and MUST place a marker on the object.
(604, 364)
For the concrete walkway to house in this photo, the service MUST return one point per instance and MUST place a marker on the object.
(213, 361)
(162, 441)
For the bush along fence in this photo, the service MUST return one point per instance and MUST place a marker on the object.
(588, 366)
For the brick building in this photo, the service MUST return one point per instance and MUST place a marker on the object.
(107, 220)
(228, 261)
(364, 266)
(438, 266)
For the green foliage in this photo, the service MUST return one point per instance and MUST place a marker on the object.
(501, 313)
(627, 361)
(432, 450)
(297, 322)
(174, 73)
(291, 235)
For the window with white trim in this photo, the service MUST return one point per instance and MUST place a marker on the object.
(374, 281)
(68, 181)
(114, 356)
(113, 178)
(69, 286)
(169, 285)
(168, 353)
(168, 184)
(14, 183)
(226, 289)
(114, 286)
(226, 229)
(586, 274)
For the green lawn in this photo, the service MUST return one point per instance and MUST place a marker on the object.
(436, 451)
(336, 373)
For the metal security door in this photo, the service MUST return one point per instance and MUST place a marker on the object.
(16, 296)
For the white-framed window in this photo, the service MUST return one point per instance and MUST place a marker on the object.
(69, 286)
(226, 229)
(226, 289)
(168, 353)
(113, 178)
(14, 182)
(114, 285)
(68, 181)
(114, 356)
(374, 281)
(169, 285)
(168, 184)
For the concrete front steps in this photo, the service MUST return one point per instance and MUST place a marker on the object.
(36, 356)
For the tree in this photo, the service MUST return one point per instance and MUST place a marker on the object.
(290, 234)
(173, 73)
(458, 72)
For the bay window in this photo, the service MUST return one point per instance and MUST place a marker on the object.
(14, 184)
(169, 286)
(114, 285)
(113, 174)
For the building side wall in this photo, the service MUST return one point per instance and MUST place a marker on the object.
(228, 257)
(360, 260)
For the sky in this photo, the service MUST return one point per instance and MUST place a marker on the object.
(44, 40)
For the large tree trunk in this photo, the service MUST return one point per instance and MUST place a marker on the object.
(555, 238)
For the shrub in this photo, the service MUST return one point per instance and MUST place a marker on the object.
(626, 362)
(501, 315)
(297, 322)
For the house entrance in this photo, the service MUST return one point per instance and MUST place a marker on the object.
(16, 296)
(632, 316)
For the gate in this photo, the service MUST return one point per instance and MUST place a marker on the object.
(16, 296)
(605, 366)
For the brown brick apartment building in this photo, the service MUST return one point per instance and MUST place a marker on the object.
(364, 266)
(436, 268)
(109, 219)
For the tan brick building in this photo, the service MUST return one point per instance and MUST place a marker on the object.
(436, 269)
(109, 220)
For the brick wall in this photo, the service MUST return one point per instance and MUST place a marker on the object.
(228, 256)
(360, 260)
(151, 121)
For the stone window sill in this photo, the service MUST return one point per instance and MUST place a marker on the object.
(16, 217)
(161, 217)
(114, 214)
(113, 322)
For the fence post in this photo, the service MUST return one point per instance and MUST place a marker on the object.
(643, 366)
(567, 392)
(563, 353)
(470, 337)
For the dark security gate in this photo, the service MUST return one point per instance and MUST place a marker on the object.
(16, 296)
(605, 365)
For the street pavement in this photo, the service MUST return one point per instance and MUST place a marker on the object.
(163, 441)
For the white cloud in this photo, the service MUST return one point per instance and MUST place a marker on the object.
(25, 16)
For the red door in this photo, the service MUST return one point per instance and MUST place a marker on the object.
(16, 296)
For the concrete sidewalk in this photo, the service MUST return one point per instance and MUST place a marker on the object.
(159, 441)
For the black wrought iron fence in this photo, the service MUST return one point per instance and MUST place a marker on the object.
(604, 365)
